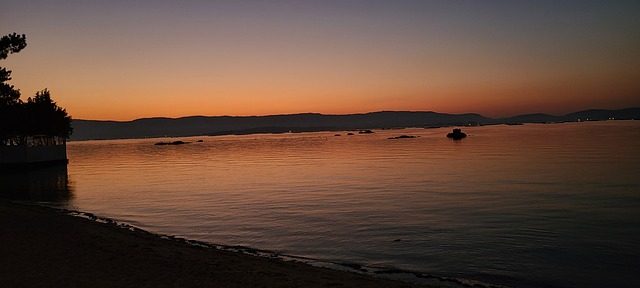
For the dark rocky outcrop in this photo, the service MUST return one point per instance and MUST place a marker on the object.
(457, 134)
(171, 143)
(403, 137)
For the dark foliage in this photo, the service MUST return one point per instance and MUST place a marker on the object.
(12, 43)
(45, 117)
(40, 115)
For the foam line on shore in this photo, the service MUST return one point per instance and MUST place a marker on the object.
(375, 271)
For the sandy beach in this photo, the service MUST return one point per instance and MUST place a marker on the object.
(43, 247)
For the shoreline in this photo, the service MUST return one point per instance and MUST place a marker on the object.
(45, 246)
(307, 122)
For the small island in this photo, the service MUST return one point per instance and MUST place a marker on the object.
(173, 143)
(403, 137)
(456, 134)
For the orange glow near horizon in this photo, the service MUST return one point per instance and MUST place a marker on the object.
(491, 101)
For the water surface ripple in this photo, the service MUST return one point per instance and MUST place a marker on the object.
(537, 205)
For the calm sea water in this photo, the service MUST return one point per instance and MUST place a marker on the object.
(537, 205)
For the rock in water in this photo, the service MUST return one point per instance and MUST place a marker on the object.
(457, 134)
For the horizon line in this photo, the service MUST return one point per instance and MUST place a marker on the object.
(332, 114)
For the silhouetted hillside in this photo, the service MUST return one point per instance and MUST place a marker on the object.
(531, 118)
(599, 114)
(224, 125)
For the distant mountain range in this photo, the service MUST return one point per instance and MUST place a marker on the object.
(309, 122)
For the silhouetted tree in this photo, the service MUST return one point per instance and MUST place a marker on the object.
(11, 43)
(44, 117)
(40, 115)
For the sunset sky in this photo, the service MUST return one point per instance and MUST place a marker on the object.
(122, 60)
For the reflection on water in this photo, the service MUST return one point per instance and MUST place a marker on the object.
(44, 184)
(525, 206)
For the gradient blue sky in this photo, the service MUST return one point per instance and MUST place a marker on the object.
(122, 60)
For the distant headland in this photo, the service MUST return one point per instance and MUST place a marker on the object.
(313, 122)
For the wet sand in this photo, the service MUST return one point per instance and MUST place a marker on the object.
(43, 247)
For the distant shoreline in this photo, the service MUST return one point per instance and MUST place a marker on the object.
(314, 122)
